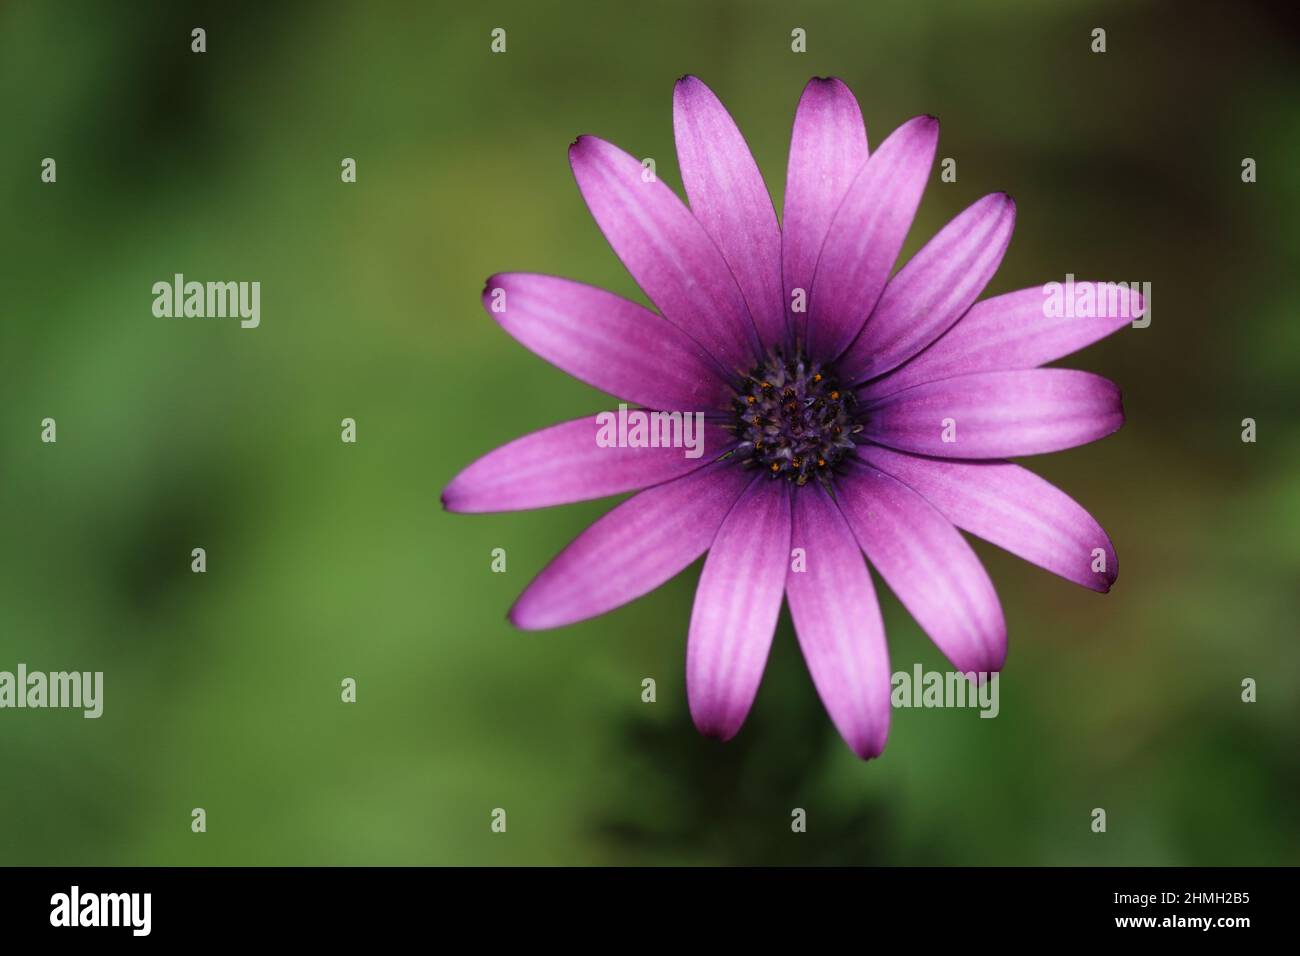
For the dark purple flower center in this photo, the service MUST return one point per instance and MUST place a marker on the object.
(794, 420)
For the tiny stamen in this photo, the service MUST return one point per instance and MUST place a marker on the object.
(801, 426)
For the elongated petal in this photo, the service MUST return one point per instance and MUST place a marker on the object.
(866, 235)
(933, 290)
(833, 604)
(929, 565)
(666, 250)
(828, 148)
(736, 606)
(1019, 330)
(730, 200)
(1011, 507)
(997, 414)
(567, 462)
(632, 549)
(606, 341)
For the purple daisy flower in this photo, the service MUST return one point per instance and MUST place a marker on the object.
(844, 410)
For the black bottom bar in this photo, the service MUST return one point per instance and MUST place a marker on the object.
(234, 905)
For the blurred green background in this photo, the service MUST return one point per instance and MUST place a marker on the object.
(328, 560)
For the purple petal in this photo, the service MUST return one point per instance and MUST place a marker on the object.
(1011, 507)
(997, 414)
(1010, 332)
(564, 463)
(838, 622)
(866, 235)
(929, 565)
(632, 549)
(730, 200)
(736, 606)
(606, 341)
(933, 290)
(666, 250)
(828, 147)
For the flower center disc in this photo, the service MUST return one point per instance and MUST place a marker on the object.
(793, 419)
